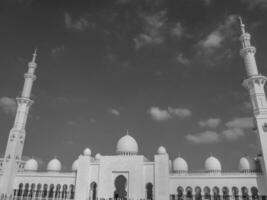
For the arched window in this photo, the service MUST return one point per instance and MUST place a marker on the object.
(44, 193)
(235, 193)
(189, 194)
(20, 190)
(64, 191)
(38, 191)
(198, 195)
(207, 193)
(26, 190)
(149, 191)
(216, 193)
(51, 191)
(245, 195)
(72, 193)
(180, 193)
(32, 190)
(254, 193)
(57, 193)
(225, 193)
(93, 190)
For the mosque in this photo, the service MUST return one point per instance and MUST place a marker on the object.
(129, 175)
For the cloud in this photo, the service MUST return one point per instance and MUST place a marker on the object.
(207, 2)
(242, 123)
(58, 50)
(233, 133)
(203, 137)
(8, 105)
(158, 114)
(180, 58)
(114, 112)
(215, 39)
(75, 25)
(255, 4)
(153, 27)
(210, 123)
(177, 30)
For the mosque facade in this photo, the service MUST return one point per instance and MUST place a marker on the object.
(129, 175)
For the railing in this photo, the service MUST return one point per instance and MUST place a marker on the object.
(218, 197)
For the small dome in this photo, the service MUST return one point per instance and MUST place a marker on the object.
(212, 164)
(162, 150)
(87, 152)
(127, 145)
(246, 164)
(98, 156)
(74, 166)
(180, 165)
(31, 165)
(54, 165)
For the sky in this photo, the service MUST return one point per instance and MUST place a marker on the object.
(169, 71)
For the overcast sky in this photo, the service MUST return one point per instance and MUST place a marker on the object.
(167, 70)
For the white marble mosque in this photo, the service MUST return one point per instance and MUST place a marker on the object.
(129, 175)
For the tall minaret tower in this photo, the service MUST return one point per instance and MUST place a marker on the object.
(255, 82)
(17, 133)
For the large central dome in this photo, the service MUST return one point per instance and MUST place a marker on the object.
(127, 145)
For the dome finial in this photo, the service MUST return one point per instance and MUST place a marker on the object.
(127, 131)
(242, 25)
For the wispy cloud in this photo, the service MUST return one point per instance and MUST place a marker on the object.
(79, 24)
(58, 50)
(8, 105)
(255, 3)
(177, 30)
(153, 25)
(210, 123)
(114, 112)
(158, 114)
(241, 122)
(203, 137)
(180, 58)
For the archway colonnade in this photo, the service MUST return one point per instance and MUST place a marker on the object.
(215, 193)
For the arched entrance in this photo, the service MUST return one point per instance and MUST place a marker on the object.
(120, 187)
(93, 191)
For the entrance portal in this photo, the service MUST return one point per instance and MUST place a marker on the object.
(120, 185)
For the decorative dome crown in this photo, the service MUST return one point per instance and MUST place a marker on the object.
(74, 166)
(127, 145)
(246, 164)
(87, 152)
(213, 165)
(180, 165)
(31, 165)
(98, 156)
(54, 165)
(162, 150)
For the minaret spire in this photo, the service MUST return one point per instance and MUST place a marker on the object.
(17, 134)
(254, 83)
(242, 25)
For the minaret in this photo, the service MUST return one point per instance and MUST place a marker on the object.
(17, 133)
(255, 82)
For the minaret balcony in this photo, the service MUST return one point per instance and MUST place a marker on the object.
(247, 50)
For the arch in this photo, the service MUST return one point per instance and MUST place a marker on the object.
(51, 191)
(120, 185)
(38, 190)
(180, 193)
(64, 191)
(72, 192)
(149, 191)
(198, 195)
(26, 190)
(93, 190)
(254, 193)
(244, 191)
(32, 188)
(189, 192)
(225, 193)
(216, 193)
(44, 193)
(207, 193)
(20, 190)
(57, 192)
(235, 193)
